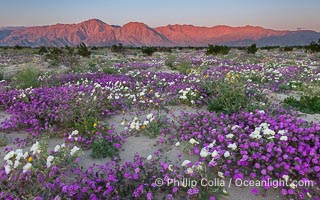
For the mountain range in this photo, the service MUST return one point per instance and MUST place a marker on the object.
(95, 32)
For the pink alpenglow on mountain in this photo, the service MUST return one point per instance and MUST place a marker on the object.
(97, 33)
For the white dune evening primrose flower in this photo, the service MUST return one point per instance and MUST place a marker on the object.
(226, 154)
(74, 150)
(7, 169)
(26, 167)
(193, 141)
(229, 136)
(285, 177)
(16, 164)
(9, 155)
(284, 138)
(149, 157)
(57, 148)
(185, 163)
(189, 170)
(232, 146)
(49, 161)
(214, 153)
(35, 148)
(204, 152)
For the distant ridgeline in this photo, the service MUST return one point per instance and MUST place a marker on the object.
(97, 33)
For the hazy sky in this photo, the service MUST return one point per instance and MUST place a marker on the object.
(276, 14)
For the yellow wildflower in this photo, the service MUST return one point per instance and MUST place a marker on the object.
(143, 127)
(151, 90)
(30, 159)
(94, 125)
(228, 75)
(207, 76)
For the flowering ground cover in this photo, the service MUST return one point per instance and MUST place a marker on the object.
(203, 117)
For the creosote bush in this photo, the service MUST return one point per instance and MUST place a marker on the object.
(252, 49)
(217, 49)
(148, 50)
(313, 47)
(83, 50)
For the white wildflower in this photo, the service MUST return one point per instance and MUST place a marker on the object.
(16, 164)
(35, 148)
(49, 161)
(232, 146)
(57, 148)
(285, 177)
(149, 157)
(9, 155)
(185, 163)
(204, 152)
(293, 186)
(229, 136)
(189, 170)
(193, 141)
(214, 153)
(234, 127)
(284, 138)
(74, 150)
(26, 167)
(7, 169)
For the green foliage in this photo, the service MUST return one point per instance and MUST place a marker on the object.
(102, 148)
(313, 47)
(86, 125)
(148, 50)
(43, 50)
(117, 48)
(287, 48)
(255, 78)
(284, 87)
(54, 55)
(184, 67)
(291, 101)
(110, 70)
(232, 96)
(170, 61)
(66, 56)
(1, 75)
(307, 104)
(27, 78)
(94, 48)
(3, 141)
(216, 49)
(154, 128)
(83, 50)
(17, 47)
(270, 47)
(252, 49)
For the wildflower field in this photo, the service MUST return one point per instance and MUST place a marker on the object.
(172, 125)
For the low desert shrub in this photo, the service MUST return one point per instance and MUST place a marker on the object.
(27, 78)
